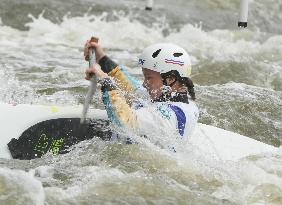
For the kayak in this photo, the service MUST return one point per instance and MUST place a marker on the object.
(30, 131)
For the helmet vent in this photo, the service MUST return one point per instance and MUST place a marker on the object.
(156, 53)
(177, 54)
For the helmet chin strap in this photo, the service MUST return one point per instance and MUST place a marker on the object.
(169, 85)
(167, 94)
(166, 90)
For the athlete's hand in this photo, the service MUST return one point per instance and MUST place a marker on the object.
(99, 52)
(95, 70)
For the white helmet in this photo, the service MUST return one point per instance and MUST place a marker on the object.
(165, 57)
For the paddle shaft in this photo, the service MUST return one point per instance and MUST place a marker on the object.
(92, 87)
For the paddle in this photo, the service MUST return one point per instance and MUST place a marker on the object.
(93, 82)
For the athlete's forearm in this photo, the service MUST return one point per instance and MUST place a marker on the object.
(123, 79)
(107, 64)
(118, 110)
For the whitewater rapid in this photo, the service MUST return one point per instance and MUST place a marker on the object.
(238, 77)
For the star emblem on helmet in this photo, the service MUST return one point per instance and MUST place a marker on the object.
(141, 61)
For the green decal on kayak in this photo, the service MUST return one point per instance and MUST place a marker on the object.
(56, 146)
(42, 145)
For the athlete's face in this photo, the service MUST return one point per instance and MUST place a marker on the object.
(153, 83)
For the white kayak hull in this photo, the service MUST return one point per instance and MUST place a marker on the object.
(222, 144)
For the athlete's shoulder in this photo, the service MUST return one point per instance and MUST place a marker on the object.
(185, 106)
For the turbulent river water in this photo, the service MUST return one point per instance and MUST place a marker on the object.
(238, 77)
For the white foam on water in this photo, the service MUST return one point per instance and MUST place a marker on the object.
(58, 46)
(225, 45)
(84, 183)
(19, 187)
(140, 172)
(76, 30)
(11, 90)
(10, 37)
(272, 47)
(98, 172)
(43, 57)
(241, 181)
(44, 171)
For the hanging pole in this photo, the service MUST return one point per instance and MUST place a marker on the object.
(244, 9)
(149, 6)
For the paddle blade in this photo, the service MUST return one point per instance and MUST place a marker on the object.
(56, 136)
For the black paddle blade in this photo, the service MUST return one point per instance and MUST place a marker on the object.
(56, 136)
